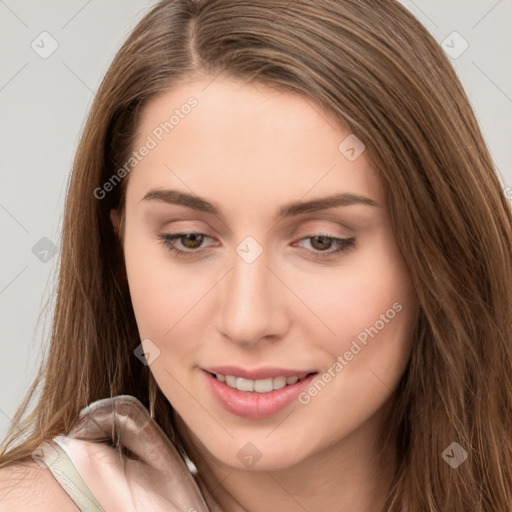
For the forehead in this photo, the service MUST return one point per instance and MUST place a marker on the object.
(235, 141)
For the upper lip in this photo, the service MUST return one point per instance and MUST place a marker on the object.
(257, 373)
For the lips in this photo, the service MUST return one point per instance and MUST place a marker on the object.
(234, 393)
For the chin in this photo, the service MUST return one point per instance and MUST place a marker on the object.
(257, 456)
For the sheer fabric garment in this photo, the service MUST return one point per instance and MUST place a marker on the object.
(146, 474)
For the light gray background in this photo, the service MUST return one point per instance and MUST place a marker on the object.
(44, 102)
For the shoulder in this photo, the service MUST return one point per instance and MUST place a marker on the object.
(29, 487)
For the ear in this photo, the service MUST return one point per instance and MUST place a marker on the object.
(115, 218)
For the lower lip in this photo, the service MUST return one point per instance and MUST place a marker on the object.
(254, 405)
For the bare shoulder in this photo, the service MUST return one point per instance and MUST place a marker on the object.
(27, 486)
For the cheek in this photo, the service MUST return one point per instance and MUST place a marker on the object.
(371, 309)
(368, 308)
(353, 296)
(162, 293)
(373, 316)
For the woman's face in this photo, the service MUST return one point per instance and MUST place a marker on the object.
(276, 283)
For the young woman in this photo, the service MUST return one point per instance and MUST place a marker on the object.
(285, 279)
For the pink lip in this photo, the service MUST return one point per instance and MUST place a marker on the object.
(257, 374)
(255, 405)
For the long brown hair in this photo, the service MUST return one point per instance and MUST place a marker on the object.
(378, 70)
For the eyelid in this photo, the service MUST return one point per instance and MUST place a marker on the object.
(330, 224)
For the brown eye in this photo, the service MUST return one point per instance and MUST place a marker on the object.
(322, 245)
(324, 242)
(194, 240)
(190, 242)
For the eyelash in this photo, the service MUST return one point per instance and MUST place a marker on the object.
(344, 245)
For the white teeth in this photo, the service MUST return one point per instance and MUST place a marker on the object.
(231, 381)
(244, 384)
(263, 386)
(279, 382)
(258, 386)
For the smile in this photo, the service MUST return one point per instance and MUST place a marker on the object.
(260, 385)
(268, 392)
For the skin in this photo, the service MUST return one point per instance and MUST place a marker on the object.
(251, 149)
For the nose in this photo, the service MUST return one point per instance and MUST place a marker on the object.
(253, 304)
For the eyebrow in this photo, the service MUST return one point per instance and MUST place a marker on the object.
(288, 210)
